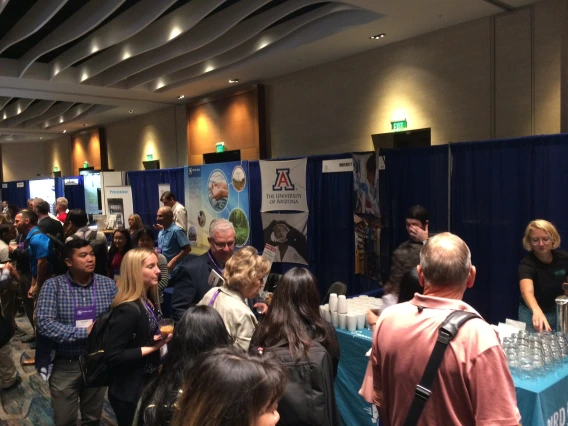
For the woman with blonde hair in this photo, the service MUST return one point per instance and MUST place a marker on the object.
(542, 276)
(135, 226)
(244, 274)
(133, 341)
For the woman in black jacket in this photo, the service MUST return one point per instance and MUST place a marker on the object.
(294, 320)
(134, 339)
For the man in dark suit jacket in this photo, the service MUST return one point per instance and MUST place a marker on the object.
(46, 224)
(190, 280)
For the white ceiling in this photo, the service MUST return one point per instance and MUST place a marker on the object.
(140, 55)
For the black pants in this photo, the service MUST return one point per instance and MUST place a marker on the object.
(123, 410)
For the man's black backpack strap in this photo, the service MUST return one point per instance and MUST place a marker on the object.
(446, 333)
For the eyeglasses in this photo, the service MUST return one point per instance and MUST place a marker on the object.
(221, 246)
(535, 241)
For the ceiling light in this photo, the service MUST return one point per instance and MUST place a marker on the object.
(181, 96)
(64, 131)
(233, 80)
(41, 138)
(378, 36)
(131, 111)
(84, 125)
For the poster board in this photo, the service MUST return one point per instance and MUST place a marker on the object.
(118, 205)
(217, 191)
(44, 189)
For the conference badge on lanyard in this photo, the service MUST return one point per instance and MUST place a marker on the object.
(85, 315)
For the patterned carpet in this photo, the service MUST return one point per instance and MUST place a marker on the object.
(29, 404)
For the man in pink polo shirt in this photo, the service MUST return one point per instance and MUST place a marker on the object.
(473, 385)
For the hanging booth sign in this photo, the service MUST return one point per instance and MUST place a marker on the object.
(288, 234)
(20, 185)
(283, 185)
(217, 191)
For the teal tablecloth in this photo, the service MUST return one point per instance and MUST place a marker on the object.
(354, 410)
(543, 402)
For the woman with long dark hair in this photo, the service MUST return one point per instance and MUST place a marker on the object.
(201, 329)
(294, 321)
(294, 318)
(121, 245)
(227, 386)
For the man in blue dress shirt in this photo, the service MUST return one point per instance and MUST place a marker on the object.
(172, 240)
(67, 307)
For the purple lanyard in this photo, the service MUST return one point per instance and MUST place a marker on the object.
(215, 263)
(213, 298)
(94, 293)
(151, 311)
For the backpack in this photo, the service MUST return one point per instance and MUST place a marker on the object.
(309, 398)
(93, 363)
(100, 249)
(59, 266)
(94, 367)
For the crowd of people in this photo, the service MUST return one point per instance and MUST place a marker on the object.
(230, 355)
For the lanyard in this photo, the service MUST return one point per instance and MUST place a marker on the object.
(215, 263)
(94, 293)
(149, 309)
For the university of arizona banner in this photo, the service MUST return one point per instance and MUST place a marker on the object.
(283, 185)
(217, 191)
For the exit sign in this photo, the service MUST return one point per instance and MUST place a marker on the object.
(399, 125)
(220, 147)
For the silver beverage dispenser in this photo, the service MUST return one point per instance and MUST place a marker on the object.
(562, 313)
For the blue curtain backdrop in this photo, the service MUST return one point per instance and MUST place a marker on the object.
(15, 195)
(75, 194)
(331, 241)
(145, 190)
(412, 176)
(59, 187)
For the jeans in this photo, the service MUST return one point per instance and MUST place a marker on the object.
(526, 315)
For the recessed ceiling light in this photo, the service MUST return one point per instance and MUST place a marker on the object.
(64, 131)
(233, 80)
(181, 96)
(131, 111)
(41, 138)
(84, 125)
(378, 36)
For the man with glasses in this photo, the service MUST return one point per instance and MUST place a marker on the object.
(190, 282)
(172, 241)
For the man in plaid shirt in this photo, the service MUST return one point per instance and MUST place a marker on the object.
(68, 305)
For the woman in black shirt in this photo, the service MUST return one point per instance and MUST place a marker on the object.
(542, 274)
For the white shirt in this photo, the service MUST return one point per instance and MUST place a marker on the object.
(180, 216)
(4, 252)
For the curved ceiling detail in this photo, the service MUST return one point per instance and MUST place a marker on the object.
(153, 36)
(54, 111)
(34, 110)
(37, 16)
(67, 63)
(90, 15)
(127, 24)
(247, 49)
(206, 44)
(204, 32)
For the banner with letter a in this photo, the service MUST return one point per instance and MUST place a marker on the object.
(283, 185)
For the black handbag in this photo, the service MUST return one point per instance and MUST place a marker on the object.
(447, 331)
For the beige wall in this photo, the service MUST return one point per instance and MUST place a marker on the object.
(494, 77)
(158, 133)
(23, 161)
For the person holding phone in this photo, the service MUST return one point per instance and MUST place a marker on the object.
(542, 276)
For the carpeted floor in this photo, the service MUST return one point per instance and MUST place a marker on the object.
(29, 403)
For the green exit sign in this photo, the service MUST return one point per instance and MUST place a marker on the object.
(397, 126)
(220, 147)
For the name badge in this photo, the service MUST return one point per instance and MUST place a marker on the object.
(215, 280)
(85, 316)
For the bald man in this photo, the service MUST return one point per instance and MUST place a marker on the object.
(172, 241)
(405, 337)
